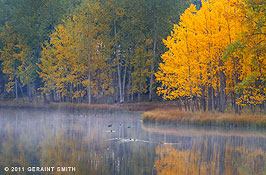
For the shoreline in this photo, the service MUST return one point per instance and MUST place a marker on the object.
(192, 130)
(227, 120)
(132, 107)
(156, 112)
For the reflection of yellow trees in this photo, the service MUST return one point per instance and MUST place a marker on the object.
(65, 149)
(206, 158)
(13, 151)
(248, 161)
(73, 148)
(172, 161)
(85, 148)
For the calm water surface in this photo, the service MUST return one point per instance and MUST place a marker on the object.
(119, 143)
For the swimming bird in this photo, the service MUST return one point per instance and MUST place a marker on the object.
(110, 125)
(110, 131)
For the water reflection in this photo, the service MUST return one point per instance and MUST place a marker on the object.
(85, 141)
(207, 155)
(63, 139)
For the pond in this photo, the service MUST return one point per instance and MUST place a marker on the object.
(65, 141)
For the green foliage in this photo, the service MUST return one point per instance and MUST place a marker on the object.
(92, 47)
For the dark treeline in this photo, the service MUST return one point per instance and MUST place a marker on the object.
(24, 26)
(95, 51)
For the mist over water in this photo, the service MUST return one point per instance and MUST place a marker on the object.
(112, 142)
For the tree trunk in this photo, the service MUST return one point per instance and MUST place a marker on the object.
(29, 92)
(222, 92)
(21, 90)
(192, 104)
(236, 106)
(89, 87)
(128, 84)
(113, 84)
(124, 82)
(16, 87)
(55, 98)
(51, 96)
(3, 86)
(71, 93)
(202, 99)
(44, 99)
(263, 107)
(180, 105)
(185, 105)
(209, 99)
(118, 67)
(153, 59)
(213, 99)
(252, 107)
(164, 95)
(132, 96)
(117, 89)
(33, 92)
(119, 82)
(198, 104)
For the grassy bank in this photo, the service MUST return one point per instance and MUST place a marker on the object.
(58, 106)
(205, 118)
(156, 112)
(138, 106)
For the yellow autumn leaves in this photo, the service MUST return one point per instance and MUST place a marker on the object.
(14, 59)
(73, 61)
(213, 52)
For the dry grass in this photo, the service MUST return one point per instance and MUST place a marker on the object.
(71, 106)
(147, 106)
(205, 118)
(139, 106)
(157, 112)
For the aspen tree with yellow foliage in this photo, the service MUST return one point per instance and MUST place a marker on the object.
(14, 60)
(252, 87)
(215, 56)
(73, 63)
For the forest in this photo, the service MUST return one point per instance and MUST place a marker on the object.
(203, 55)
